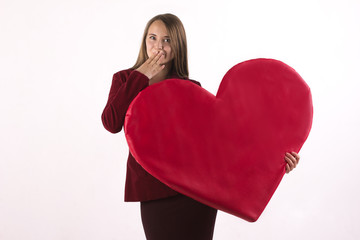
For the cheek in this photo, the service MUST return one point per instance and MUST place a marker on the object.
(149, 46)
(171, 55)
(168, 51)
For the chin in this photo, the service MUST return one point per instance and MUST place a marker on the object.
(165, 62)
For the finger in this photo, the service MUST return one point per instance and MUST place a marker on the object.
(297, 156)
(152, 57)
(157, 68)
(160, 67)
(292, 157)
(154, 51)
(160, 60)
(291, 162)
(287, 167)
(157, 57)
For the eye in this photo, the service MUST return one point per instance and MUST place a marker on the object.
(167, 40)
(152, 37)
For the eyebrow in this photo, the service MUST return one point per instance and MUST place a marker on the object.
(156, 35)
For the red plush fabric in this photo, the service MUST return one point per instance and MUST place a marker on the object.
(226, 151)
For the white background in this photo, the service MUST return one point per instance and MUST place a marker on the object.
(62, 174)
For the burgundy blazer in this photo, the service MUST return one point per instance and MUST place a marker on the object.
(140, 185)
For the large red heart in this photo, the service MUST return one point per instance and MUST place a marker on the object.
(225, 151)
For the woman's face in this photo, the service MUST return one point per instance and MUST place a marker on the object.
(158, 39)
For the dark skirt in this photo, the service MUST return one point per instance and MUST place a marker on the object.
(177, 217)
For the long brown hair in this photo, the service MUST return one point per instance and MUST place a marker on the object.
(178, 44)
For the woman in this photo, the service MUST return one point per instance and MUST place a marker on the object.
(166, 214)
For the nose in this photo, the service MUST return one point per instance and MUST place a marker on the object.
(160, 45)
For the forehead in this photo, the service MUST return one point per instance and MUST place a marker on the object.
(158, 28)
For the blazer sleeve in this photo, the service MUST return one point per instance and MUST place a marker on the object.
(124, 88)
